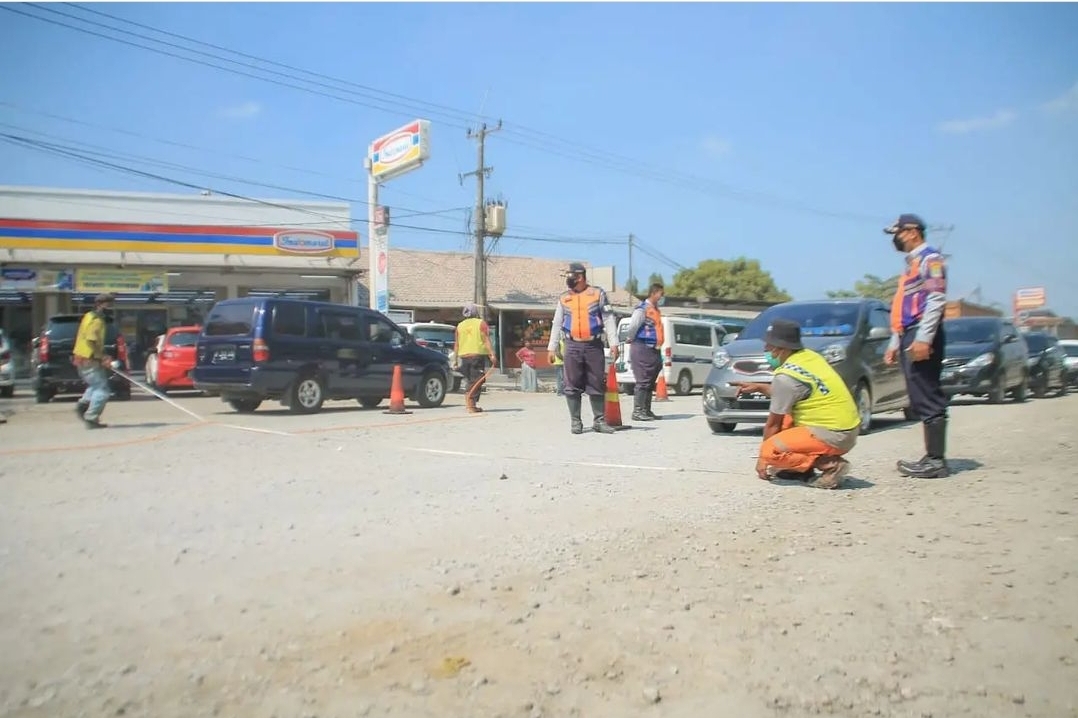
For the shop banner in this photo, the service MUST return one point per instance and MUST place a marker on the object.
(92, 281)
(25, 279)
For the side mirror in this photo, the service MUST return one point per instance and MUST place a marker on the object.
(879, 333)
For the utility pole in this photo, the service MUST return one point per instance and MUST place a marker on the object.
(631, 240)
(481, 173)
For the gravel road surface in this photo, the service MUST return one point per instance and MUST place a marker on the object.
(355, 563)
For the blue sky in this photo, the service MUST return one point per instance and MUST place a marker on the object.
(785, 132)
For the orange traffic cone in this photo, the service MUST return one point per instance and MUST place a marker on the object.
(612, 411)
(396, 394)
(660, 389)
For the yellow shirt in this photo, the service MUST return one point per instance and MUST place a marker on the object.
(470, 338)
(91, 329)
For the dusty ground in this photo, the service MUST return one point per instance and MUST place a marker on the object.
(435, 564)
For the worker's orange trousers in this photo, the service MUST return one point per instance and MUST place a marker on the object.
(795, 449)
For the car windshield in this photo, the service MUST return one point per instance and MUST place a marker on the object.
(183, 339)
(1070, 349)
(230, 320)
(969, 331)
(1037, 343)
(823, 319)
(435, 334)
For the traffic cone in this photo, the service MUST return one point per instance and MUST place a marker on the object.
(612, 411)
(396, 394)
(660, 389)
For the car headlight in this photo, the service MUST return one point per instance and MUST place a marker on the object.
(721, 359)
(834, 353)
(711, 398)
(983, 360)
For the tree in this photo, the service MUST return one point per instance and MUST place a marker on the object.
(739, 278)
(632, 286)
(870, 286)
(656, 278)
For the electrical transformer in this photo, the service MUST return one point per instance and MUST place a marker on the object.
(495, 218)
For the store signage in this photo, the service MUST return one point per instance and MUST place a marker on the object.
(401, 151)
(120, 280)
(303, 242)
(1030, 298)
(21, 278)
(18, 278)
(379, 249)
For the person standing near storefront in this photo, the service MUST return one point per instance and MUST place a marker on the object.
(917, 341)
(646, 332)
(90, 359)
(473, 349)
(559, 368)
(583, 316)
(529, 381)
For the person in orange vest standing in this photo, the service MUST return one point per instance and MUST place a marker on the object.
(583, 316)
(473, 349)
(646, 332)
(917, 341)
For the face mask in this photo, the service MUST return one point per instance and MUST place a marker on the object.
(107, 313)
(898, 244)
(772, 360)
(572, 280)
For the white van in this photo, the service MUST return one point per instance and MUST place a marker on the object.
(688, 348)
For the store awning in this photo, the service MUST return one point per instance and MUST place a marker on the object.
(523, 307)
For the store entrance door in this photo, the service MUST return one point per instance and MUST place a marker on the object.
(140, 328)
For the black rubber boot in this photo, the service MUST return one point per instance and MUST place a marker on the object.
(577, 426)
(640, 405)
(648, 396)
(599, 426)
(934, 463)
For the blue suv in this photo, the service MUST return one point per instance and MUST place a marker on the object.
(303, 353)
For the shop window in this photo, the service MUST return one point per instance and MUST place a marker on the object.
(290, 319)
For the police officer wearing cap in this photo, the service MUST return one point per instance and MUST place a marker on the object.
(583, 316)
(917, 341)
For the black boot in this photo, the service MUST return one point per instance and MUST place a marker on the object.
(934, 463)
(640, 405)
(648, 396)
(599, 426)
(573, 400)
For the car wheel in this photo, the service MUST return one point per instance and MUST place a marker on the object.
(307, 395)
(862, 396)
(998, 392)
(245, 406)
(684, 383)
(1021, 393)
(8, 391)
(431, 391)
(721, 427)
(42, 397)
(369, 402)
(1063, 388)
(1040, 386)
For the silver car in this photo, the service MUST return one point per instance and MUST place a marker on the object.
(852, 334)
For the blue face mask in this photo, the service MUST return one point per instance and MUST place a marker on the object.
(772, 360)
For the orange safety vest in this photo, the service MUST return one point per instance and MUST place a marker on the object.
(652, 329)
(582, 314)
(910, 298)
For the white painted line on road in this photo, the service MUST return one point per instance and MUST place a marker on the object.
(590, 464)
(450, 453)
(251, 428)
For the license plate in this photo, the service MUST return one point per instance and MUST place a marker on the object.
(755, 396)
(224, 355)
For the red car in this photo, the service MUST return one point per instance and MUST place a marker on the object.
(169, 365)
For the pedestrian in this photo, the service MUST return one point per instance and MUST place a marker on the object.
(473, 349)
(559, 368)
(583, 317)
(812, 421)
(645, 351)
(917, 341)
(529, 382)
(90, 359)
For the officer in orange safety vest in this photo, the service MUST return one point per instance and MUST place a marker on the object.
(917, 341)
(583, 316)
(646, 335)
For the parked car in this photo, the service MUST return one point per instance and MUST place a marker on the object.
(52, 370)
(303, 353)
(171, 359)
(440, 337)
(852, 334)
(1070, 348)
(984, 357)
(687, 350)
(7, 368)
(1047, 364)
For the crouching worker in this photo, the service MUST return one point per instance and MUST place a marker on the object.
(825, 421)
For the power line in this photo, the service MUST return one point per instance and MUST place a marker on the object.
(580, 153)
